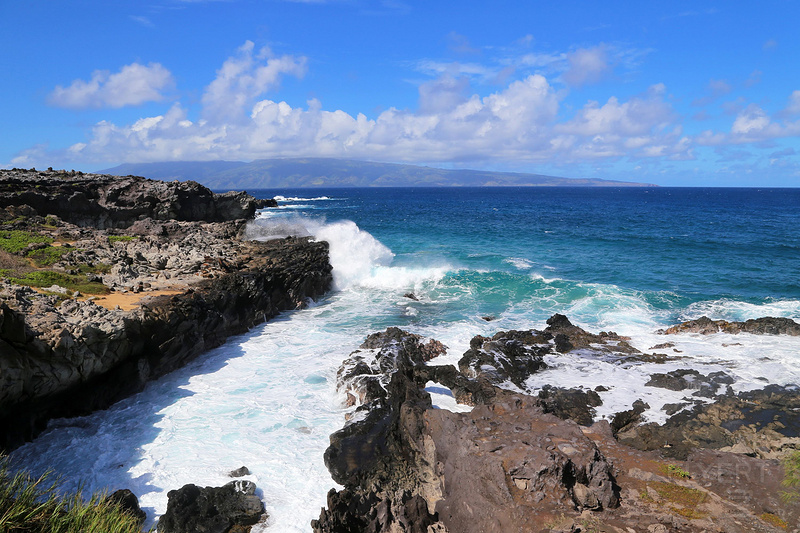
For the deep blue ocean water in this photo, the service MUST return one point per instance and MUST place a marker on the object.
(629, 260)
(675, 245)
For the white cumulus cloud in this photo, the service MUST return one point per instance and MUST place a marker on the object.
(523, 121)
(754, 125)
(133, 85)
(246, 76)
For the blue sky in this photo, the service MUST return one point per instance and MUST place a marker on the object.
(673, 93)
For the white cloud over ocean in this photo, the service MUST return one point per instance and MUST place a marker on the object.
(523, 116)
(521, 120)
(133, 85)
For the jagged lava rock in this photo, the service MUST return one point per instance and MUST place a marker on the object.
(104, 201)
(192, 509)
(408, 467)
(757, 326)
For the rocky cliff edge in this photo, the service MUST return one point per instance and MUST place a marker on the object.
(107, 282)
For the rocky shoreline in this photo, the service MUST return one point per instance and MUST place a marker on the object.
(522, 462)
(146, 275)
(107, 282)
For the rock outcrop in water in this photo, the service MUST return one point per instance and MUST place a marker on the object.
(108, 282)
(757, 326)
(511, 465)
(232, 508)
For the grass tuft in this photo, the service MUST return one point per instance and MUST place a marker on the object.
(31, 504)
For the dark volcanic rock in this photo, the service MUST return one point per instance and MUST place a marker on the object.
(192, 509)
(570, 404)
(103, 201)
(630, 418)
(365, 375)
(266, 202)
(705, 386)
(568, 337)
(758, 326)
(508, 356)
(129, 503)
(81, 357)
(509, 466)
(199, 282)
(513, 356)
(408, 467)
(761, 423)
(240, 472)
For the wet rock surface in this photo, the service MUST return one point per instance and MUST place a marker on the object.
(757, 326)
(761, 423)
(708, 386)
(510, 464)
(129, 503)
(167, 289)
(232, 508)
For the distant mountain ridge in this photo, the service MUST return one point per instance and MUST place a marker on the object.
(330, 172)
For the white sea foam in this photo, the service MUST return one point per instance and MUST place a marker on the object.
(265, 400)
(280, 198)
(727, 309)
(442, 398)
(520, 263)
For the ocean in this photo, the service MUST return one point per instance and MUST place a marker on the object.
(628, 260)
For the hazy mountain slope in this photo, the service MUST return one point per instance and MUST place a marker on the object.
(323, 172)
(175, 170)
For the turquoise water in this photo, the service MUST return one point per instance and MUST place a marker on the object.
(627, 260)
(672, 247)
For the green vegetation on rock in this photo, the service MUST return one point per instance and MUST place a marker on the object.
(675, 471)
(791, 478)
(48, 278)
(36, 505)
(49, 256)
(774, 520)
(14, 241)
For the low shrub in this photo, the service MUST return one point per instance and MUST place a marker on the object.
(49, 256)
(675, 471)
(48, 278)
(14, 241)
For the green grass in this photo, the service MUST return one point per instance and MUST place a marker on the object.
(675, 471)
(14, 241)
(120, 238)
(49, 256)
(791, 476)
(95, 268)
(31, 504)
(47, 278)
